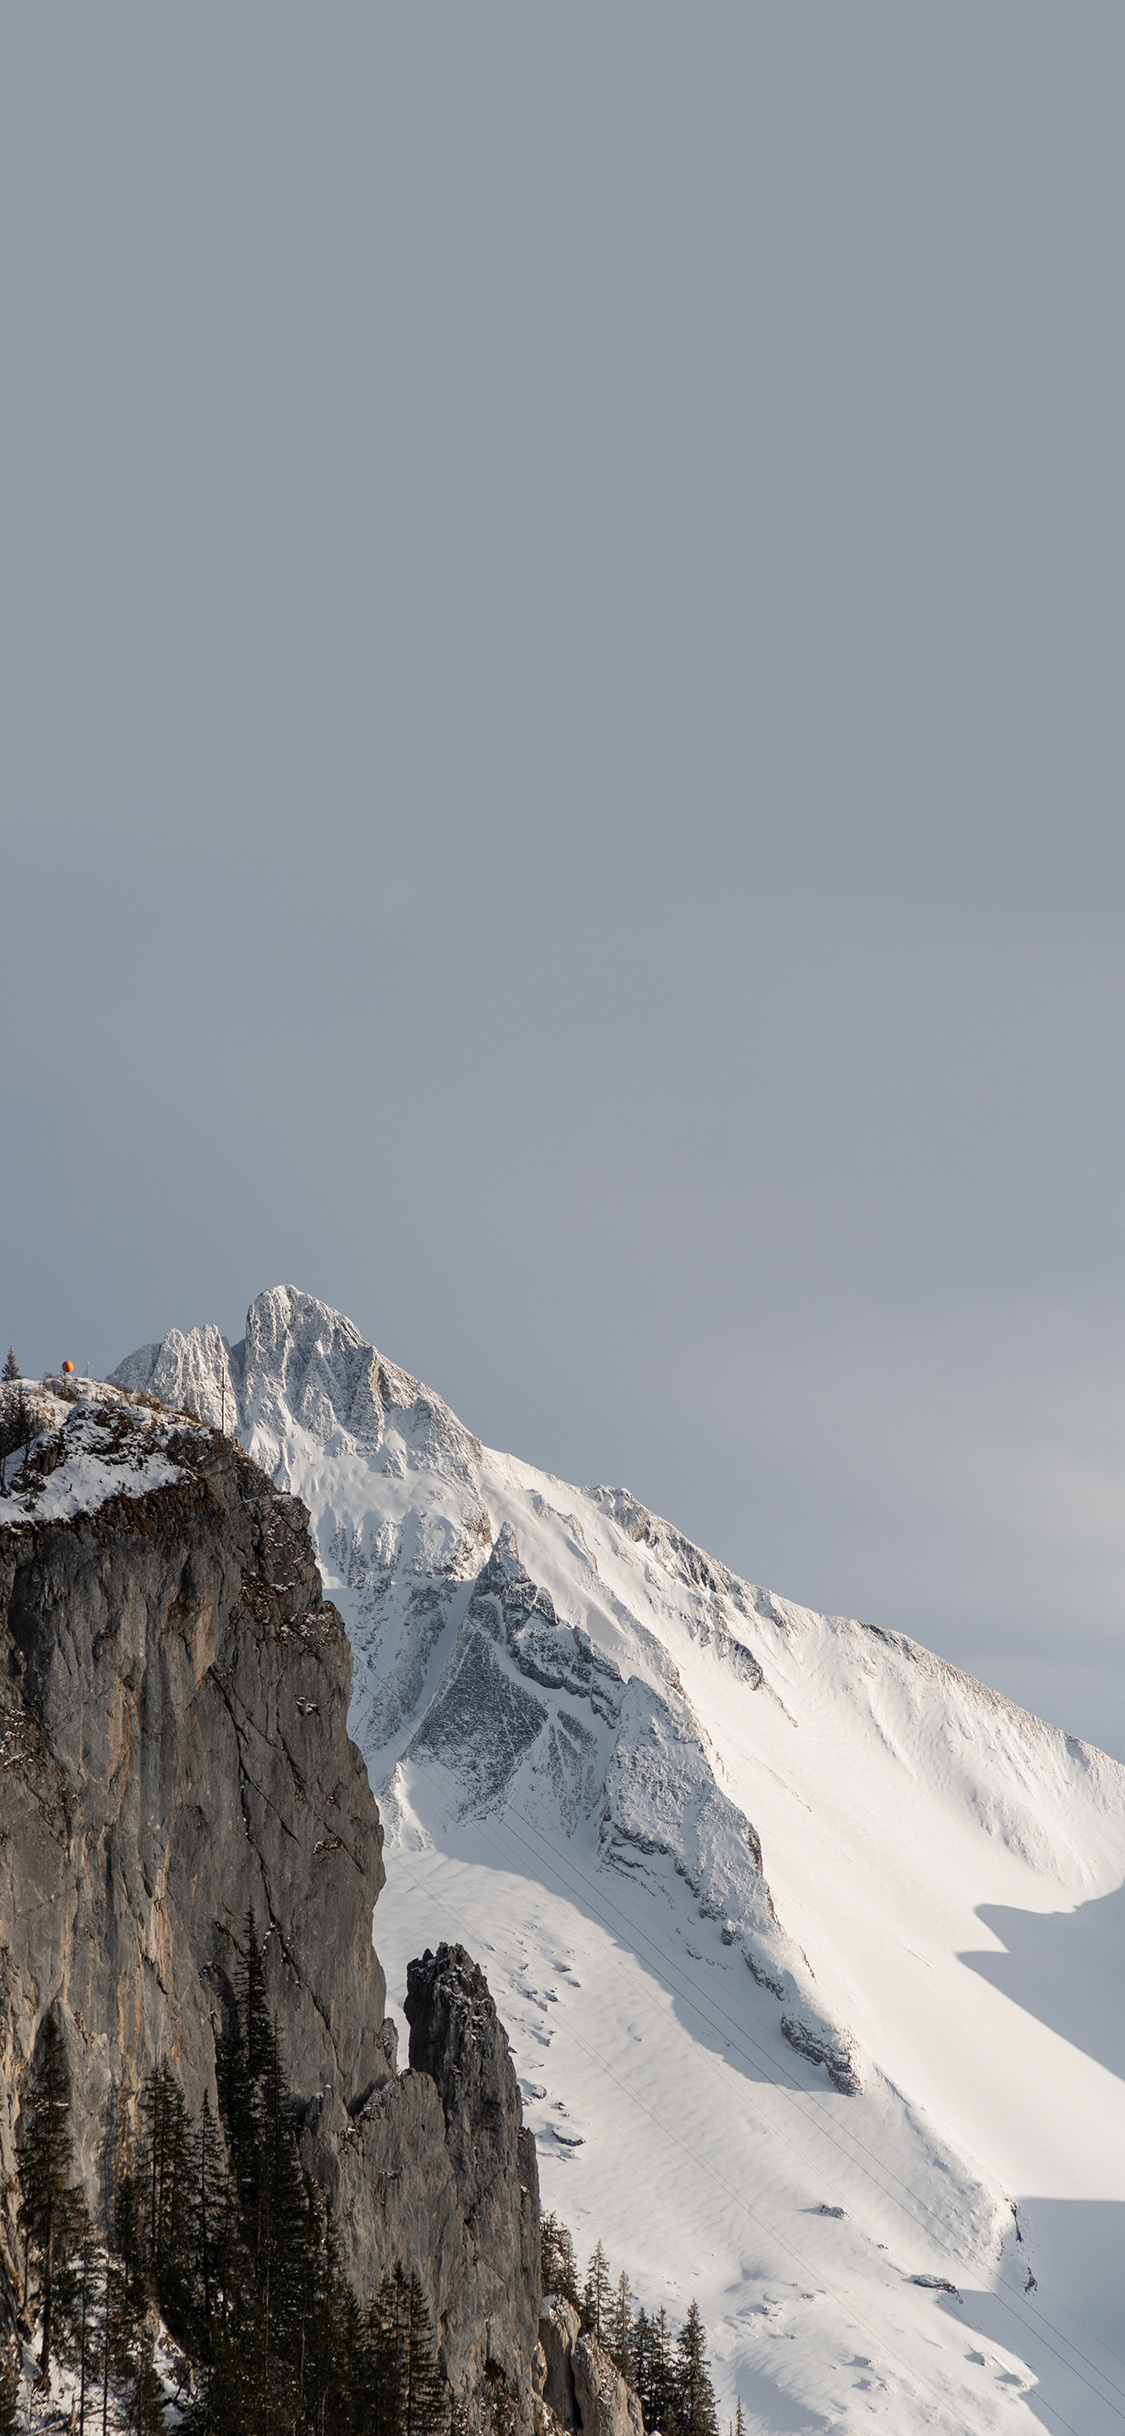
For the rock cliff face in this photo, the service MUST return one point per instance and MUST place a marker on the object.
(583, 2389)
(173, 1761)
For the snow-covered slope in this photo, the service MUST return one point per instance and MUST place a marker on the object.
(810, 1947)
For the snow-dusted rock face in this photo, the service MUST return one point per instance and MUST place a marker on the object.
(770, 1900)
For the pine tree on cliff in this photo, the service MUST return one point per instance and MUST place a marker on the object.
(407, 2397)
(11, 1370)
(384, 2363)
(597, 2295)
(426, 2408)
(51, 2215)
(619, 2332)
(167, 2186)
(558, 2265)
(270, 2189)
(243, 2050)
(640, 2358)
(695, 2394)
(286, 2235)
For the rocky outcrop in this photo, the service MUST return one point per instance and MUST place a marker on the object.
(174, 1762)
(457, 2040)
(582, 2388)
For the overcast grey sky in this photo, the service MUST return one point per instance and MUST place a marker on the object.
(561, 588)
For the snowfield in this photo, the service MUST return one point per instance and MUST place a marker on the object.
(810, 1948)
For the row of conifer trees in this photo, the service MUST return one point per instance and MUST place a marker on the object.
(216, 2230)
(669, 2372)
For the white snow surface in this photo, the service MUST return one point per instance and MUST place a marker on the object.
(809, 1947)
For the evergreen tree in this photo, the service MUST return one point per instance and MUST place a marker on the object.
(406, 2392)
(694, 2391)
(51, 2212)
(388, 2382)
(619, 2333)
(739, 2422)
(11, 1370)
(597, 2295)
(640, 2360)
(425, 2412)
(166, 2192)
(558, 2266)
(661, 2403)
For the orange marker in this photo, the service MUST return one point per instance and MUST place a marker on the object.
(67, 1369)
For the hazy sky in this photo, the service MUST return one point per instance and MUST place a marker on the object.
(561, 581)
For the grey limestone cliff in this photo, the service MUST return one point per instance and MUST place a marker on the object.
(583, 2389)
(174, 1761)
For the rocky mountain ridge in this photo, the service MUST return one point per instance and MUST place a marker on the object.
(176, 1763)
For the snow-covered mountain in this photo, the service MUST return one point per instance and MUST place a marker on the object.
(810, 1947)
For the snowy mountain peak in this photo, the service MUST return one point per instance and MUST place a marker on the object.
(302, 1366)
(770, 1893)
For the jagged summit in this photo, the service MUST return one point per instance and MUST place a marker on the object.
(769, 1894)
(300, 1365)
